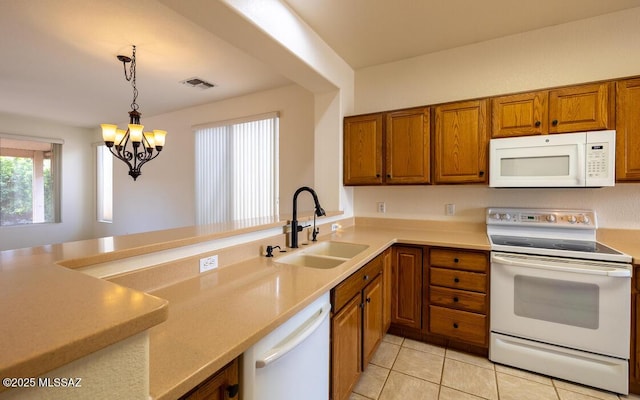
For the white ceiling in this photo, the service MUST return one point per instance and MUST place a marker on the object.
(59, 55)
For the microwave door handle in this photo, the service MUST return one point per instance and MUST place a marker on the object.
(615, 273)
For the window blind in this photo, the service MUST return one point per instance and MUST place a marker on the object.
(237, 170)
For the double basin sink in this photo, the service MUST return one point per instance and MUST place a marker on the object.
(324, 255)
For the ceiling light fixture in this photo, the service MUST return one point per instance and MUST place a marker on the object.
(142, 144)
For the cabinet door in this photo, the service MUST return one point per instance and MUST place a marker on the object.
(386, 289)
(407, 150)
(628, 131)
(221, 386)
(406, 287)
(460, 148)
(519, 114)
(363, 150)
(371, 319)
(581, 108)
(346, 347)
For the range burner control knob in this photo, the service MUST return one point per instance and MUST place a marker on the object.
(550, 218)
(572, 219)
(494, 216)
(583, 219)
(506, 217)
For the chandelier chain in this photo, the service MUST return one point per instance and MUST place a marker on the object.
(132, 78)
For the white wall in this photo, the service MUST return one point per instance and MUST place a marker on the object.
(77, 210)
(163, 196)
(589, 50)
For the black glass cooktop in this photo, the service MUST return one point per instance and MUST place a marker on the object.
(553, 244)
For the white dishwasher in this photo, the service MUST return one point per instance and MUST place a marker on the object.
(292, 362)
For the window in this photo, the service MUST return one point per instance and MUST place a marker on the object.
(29, 180)
(237, 170)
(104, 184)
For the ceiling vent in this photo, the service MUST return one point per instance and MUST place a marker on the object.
(197, 83)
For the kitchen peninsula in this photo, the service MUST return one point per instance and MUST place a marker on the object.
(212, 317)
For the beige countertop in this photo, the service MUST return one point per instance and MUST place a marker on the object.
(212, 318)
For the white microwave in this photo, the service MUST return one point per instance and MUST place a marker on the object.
(584, 159)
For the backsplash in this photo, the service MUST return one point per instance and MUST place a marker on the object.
(617, 207)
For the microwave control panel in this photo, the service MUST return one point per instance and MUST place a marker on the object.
(597, 160)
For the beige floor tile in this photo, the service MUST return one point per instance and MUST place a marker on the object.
(452, 394)
(470, 378)
(514, 388)
(422, 365)
(469, 359)
(425, 347)
(356, 396)
(569, 395)
(545, 380)
(630, 396)
(585, 390)
(403, 387)
(371, 381)
(389, 338)
(385, 355)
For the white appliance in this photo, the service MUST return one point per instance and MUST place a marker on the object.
(560, 301)
(292, 362)
(584, 159)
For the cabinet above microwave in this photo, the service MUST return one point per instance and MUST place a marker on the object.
(584, 159)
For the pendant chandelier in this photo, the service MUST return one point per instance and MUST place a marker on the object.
(133, 146)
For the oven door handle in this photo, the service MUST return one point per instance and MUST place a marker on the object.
(612, 272)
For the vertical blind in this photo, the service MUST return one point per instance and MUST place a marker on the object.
(237, 170)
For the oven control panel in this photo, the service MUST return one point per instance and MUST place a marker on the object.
(541, 217)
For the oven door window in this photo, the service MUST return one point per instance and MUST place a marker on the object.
(560, 301)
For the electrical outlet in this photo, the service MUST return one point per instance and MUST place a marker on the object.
(450, 209)
(208, 263)
(382, 207)
(335, 227)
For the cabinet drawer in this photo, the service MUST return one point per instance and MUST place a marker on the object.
(460, 299)
(467, 260)
(461, 325)
(351, 286)
(459, 279)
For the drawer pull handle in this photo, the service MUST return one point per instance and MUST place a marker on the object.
(366, 277)
(456, 280)
(456, 260)
(455, 299)
(455, 325)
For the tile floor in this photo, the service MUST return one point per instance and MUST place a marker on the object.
(409, 370)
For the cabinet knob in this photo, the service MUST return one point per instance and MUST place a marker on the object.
(456, 279)
(481, 173)
(232, 390)
(538, 123)
(366, 277)
(455, 325)
(388, 175)
(456, 260)
(377, 175)
(455, 300)
(554, 122)
(368, 299)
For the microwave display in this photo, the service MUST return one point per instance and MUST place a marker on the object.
(535, 166)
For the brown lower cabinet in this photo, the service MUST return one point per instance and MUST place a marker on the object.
(356, 325)
(447, 289)
(222, 385)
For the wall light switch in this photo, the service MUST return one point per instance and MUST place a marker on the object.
(450, 209)
(208, 263)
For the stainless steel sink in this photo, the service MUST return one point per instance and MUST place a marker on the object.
(323, 255)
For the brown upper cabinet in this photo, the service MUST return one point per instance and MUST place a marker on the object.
(389, 148)
(460, 142)
(571, 109)
(363, 149)
(628, 130)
